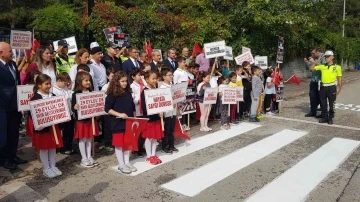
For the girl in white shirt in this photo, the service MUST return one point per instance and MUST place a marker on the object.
(137, 87)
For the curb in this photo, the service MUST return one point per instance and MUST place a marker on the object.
(301, 93)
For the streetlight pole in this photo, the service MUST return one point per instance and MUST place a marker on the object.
(343, 31)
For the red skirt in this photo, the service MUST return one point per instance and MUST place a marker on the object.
(45, 141)
(83, 129)
(153, 130)
(118, 139)
(29, 127)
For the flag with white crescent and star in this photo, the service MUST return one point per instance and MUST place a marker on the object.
(134, 127)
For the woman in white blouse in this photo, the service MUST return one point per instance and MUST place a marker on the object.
(44, 63)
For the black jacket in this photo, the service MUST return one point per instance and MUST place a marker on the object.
(109, 62)
(8, 91)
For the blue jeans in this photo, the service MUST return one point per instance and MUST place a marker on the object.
(314, 97)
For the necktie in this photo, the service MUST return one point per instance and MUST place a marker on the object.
(11, 70)
(136, 64)
(173, 63)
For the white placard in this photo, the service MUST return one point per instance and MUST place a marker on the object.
(210, 95)
(24, 94)
(49, 111)
(239, 93)
(72, 44)
(158, 100)
(20, 39)
(229, 96)
(244, 57)
(179, 92)
(245, 50)
(261, 61)
(90, 104)
(229, 53)
(214, 49)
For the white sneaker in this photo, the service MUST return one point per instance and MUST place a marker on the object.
(124, 169)
(56, 171)
(210, 129)
(86, 164)
(185, 127)
(204, 129)
(92, 161)
(131, 167)
(269, 114)
(49, 173)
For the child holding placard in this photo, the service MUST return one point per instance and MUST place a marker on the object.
(29, 123)
(84, 128)
(233, 107)
(153, 130)
(204, 109)
(223, 83)
(119, 105)
(44, 138)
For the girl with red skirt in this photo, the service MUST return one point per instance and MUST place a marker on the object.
(153, 130)
(44, 138)
(84, 128)
(119, 105)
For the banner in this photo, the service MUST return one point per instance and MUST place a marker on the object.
(179, 92)
(239, 93)
(49, 111)
(244, 57)
(90, 104)
(229, 96)
(189, 105)
(214, 49)
(245, 50)
(261, 61)
(24, 94)
(72, 44)
(229, 53)
(20, 39)
(280, 51)
(116, 35)
(158, 100)
(210, 95)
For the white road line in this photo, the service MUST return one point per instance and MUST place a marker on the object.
(315, 123)
(193, 145)
(198, 180)
(296, 183)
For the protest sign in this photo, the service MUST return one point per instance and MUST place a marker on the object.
(261, 61)
(280, 51)
(179, 92)
(49, 111)
(239, 93)
(229, 53)
(214, 49)
(72, 44)
(20, 39)
(244, 57)
(229, 96)
(116, 35)
(210, 95)
(24, 94)
(158, 100)
(189, 105)
(245, 50)
(90, 104)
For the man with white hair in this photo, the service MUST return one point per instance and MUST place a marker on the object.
(156, 57)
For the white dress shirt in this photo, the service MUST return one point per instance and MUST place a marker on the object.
(73, 71)
(99, 73)
(50, 71)
(136, 97)
(180, 75)
(135, 62)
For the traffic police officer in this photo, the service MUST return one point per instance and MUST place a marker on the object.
(62, 60)
(331, 85)
(112, 57)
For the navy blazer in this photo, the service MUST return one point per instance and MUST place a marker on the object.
(128, 66)
(153, 66)
(8, 92)
(168, 63)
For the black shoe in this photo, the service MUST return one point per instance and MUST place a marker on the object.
(330, 122)
(18, 161)
(139, 154)
(166, 151)
(173, 149)
(309, 115)
(10, 165)
(323, 120)
(319, 116)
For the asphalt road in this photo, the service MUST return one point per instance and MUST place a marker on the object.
(287, 158)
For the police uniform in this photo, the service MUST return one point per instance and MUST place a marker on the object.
(110, 62)
(63, 64)
(329, 75)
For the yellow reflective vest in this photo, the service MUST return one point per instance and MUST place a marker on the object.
(62, 65)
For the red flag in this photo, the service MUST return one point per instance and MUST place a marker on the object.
(134, 127)
(35, 45)
(196, 49)
(294, 79)
(179, 132)
(148, 48)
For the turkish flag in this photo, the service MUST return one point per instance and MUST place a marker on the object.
(133, 129)
(35, 45)
(196, 49)
(148, 48)
(179, 132)
(294, 79)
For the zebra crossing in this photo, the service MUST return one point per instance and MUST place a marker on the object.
(295, 184)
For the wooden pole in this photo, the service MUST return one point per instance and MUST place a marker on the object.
(55, 135)
(93, 142)
(162, 123)
(188, 115)
(93, 125)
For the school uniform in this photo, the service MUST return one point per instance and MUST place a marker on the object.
(44, 139)
(136, 92)
(83, 128)
(122, 104)
(169, 125)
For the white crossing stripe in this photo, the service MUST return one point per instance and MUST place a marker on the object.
(198, 180)
(296, 183)
(193, 145)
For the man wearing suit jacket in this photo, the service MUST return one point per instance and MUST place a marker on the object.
(156, 57)
(9, 115)
(132, 63)
(171, 60)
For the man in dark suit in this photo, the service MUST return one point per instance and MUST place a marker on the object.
(171, 60)
(132, 63)
(156, 57)
(9, 115)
